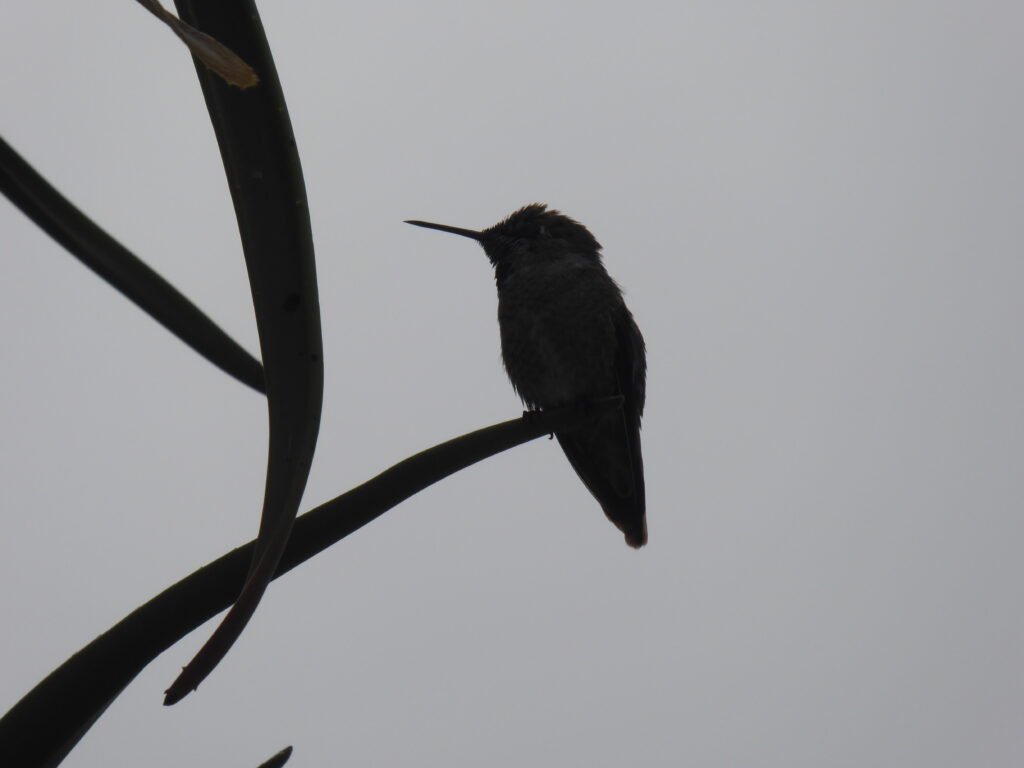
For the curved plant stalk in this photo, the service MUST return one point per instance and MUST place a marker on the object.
(62, 221)
(42, 728)
(219, 58)
(265, 178)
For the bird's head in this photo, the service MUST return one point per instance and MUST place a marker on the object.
(532, 231)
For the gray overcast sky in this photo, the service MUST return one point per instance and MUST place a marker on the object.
(815, 210)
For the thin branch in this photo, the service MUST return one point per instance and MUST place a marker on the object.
(218, 57)
(42, 728)
(66, 224)
(265, 177)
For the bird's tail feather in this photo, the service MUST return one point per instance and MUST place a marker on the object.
(606, 455)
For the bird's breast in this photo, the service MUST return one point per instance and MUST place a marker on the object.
(557, 340)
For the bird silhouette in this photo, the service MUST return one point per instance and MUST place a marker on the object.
(567, 337)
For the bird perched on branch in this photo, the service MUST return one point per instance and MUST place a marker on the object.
(567, 337)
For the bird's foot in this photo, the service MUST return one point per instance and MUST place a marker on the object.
(531, 415)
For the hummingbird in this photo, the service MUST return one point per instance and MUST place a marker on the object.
(566, 338)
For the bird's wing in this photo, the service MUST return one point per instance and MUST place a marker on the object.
(606, 454)
(631, 373)
(630, 361)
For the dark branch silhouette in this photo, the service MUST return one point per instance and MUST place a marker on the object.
(265, 178)
(84, 239)
(279, 759)
(50, 719)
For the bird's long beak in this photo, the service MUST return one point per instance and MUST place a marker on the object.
(470, 233)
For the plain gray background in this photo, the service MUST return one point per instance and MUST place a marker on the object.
(815, 210)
